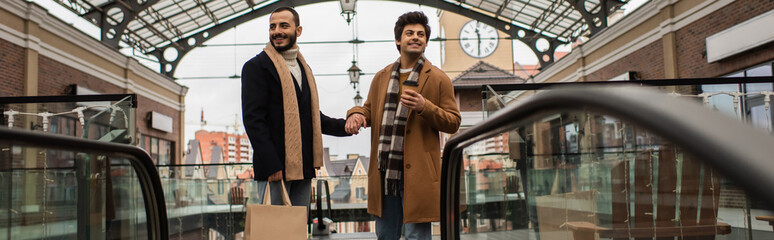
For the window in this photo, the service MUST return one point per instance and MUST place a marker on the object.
(154, 149)
(61, 125)
(759, 71)
(360, 193)
(161, 150)
(753, 103)
(165, 152)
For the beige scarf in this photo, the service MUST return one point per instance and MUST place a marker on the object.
(293, 156)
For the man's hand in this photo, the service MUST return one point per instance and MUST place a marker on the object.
(277, 176)
(413, 100)
(354, 123)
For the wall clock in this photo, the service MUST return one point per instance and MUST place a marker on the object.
(477, 39)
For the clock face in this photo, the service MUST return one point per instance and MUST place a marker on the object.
(477, 39)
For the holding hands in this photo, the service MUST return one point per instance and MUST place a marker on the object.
(410, 99)
(354, 123)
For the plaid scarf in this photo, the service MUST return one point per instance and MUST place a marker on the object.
(392, 129)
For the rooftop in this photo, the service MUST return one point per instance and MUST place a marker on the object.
(483, 73)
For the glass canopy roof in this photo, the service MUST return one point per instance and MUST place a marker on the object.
(159, 23)
(155, 26)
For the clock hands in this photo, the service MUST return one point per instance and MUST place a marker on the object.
(478, 37)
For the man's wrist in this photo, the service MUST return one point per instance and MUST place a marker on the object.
(424, 107)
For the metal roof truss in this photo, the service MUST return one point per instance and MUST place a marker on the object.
(156, 26)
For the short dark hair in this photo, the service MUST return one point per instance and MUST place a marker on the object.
(416, 17)
(296, 19)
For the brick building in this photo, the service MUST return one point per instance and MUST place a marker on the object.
(236, 148)
(670, 39)
(41, 55)
(660, 40)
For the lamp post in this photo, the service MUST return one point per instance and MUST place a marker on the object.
(348, 9)
(354, 75)
(358, 99)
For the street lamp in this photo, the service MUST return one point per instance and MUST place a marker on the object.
(354, 75)
(358, 99)
(348, 9)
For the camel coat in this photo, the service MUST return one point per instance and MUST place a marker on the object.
(422, 157)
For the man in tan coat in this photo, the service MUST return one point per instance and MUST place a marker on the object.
(408, 103)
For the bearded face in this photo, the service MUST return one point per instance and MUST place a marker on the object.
(283, 41)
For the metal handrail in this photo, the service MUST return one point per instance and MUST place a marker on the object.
(155, 206)
(70, 98)
(649, 82)
(737, 150)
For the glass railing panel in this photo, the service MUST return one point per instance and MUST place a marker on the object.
(129, 221)
(206, 201)
(66, 194)
(111, 121)
(585, 175)
(345, 191)
(491, 196)
(349, 203)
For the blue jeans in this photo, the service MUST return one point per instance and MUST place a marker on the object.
(388, 227)
(299, 192)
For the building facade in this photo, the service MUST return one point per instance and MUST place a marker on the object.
(236, 148)
(40, 55)
(669, 39)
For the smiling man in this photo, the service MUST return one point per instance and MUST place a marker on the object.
(408, 103)
(281, 113)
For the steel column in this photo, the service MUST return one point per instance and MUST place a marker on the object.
(111, 29)
(596, 20)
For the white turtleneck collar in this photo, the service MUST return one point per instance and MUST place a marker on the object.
(291, 56)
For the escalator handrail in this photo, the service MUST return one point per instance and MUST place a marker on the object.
(737, 150)
(150, 182)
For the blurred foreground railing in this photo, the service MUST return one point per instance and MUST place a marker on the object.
(600, 162)
(62, 187)
(207, 201)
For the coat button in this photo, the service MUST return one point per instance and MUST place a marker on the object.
(408, 131)
(408, 166)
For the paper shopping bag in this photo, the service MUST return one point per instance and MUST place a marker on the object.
(266, 221)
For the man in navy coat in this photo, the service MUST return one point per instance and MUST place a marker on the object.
(281, 113)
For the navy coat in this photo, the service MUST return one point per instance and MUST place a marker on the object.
(263, 117)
